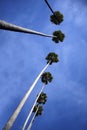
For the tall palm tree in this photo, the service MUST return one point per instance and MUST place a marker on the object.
(59, 36)
(56, 16)
(41, 98)
(11, 27)
(45, 78)
(38, 111)
(51, 58)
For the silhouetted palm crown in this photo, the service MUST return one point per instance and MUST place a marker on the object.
(46, 77)
(42, 98)
(56, 18)
(39, 111)
(52, 58)
(58, 36)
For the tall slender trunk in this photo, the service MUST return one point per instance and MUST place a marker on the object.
(28, 117)
(18, 109)
(32, 120)
(11, 27)
(49, 6)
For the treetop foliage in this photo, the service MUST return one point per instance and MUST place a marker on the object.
(39, 111)
(42, 98)
(52, 58)
(57, 18)
(46, 77)
(58, 36)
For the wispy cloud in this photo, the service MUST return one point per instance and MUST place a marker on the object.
(74, 11)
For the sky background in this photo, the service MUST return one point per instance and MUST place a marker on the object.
(22, 57)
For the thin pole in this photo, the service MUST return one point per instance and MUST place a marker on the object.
(49, 6)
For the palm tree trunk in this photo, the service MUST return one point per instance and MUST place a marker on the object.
(49, 6)
(11, 27)
(33, 118)
(18, 109)
(27, 119)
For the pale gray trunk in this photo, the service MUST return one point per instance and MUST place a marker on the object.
(11, 27)
(32, 120)
(18, 109)
(28, 117)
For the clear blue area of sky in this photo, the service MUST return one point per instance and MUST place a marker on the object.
(22, 57)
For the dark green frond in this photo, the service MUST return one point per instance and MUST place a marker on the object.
(46, 77)
(39, 111)
(52, 58)
(58, 36)
(57, 18)
(42, 98)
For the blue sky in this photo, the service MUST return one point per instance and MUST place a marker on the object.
(22, 57)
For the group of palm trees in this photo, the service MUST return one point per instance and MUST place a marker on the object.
(41, 99)
(46, 77)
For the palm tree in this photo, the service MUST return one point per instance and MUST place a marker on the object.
(57, 17)
(11, 27)
(41, 98)
(46, 77)
(59, 36)
(38, 111)
(51, 58)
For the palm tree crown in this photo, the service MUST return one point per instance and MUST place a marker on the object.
(58, 36)
(46, 77)
(56, 18)
(39, 110)
(42, 98)
(52, 58)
